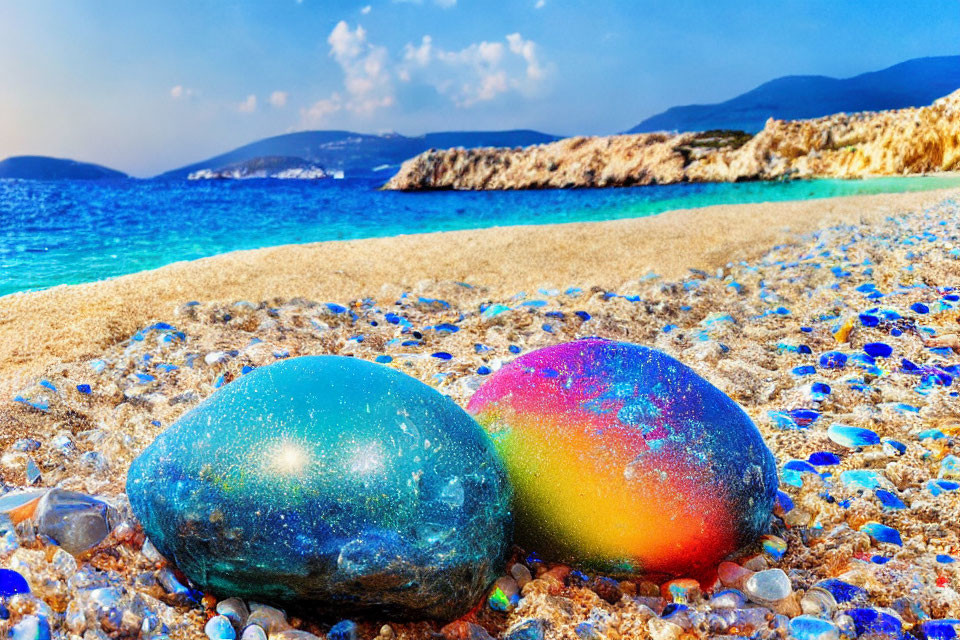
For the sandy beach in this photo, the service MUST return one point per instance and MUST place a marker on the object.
(38, 329)
(808, 314)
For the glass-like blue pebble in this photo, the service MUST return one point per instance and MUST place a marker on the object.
(331, 480)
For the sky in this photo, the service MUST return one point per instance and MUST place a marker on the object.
(149, 86)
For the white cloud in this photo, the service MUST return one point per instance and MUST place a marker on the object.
(180, 92)
(368, 84)
(319, 110)
(249, 105)
(540, 4)
(477, 73)
(367, 9)
(279, 99)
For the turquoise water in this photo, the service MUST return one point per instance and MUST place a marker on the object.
(68, 232)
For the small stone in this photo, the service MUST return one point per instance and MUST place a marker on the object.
(31, 627)
(774, 547)
(343, 630)
(756, 562)
(386, 631)
(220, 628)
(663, 629)
(733, 575)
(504, 595)
(767, 587)
(73, 520)
(607, 588)
(463, 630)
(727, 599)
(529, 629)
(32, 472)
(294, 634)
(268, 618)
(235, 610)
(253, 632)
(852, 437)
(810, 628)
(74, 618)
(681, 591)
(521, 574)
(882, 533)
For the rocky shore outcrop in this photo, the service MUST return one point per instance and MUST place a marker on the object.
(883, 143)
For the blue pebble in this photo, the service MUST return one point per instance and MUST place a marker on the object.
(804, 417)
(343, 630)
(384, 359)
(804, 370)
(483, 370)
(784, 501)
(805, 627)
(898, 447)
(31, 627)
(874, 622)
(919, 307)
(882, 533)
(833, 360)
(513, 349)
(937, 629)
(866, 479)
(12, 583)
(880, 559)
(84, 389)
(878, 349)
(442, 355)
(943, 558)
(889, 499)
(823, 459)
(219, 628)
(583, 315)
(800, 465)
(841, 591)
(852, 437)
(336, 308)
(869, 320)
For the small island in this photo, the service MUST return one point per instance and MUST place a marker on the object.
(45, 168)
(275, 167)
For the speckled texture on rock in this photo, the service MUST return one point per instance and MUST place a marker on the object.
(332, 480)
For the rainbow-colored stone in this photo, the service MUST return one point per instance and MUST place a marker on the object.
(625, 460)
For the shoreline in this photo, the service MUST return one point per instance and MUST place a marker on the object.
(40, 328)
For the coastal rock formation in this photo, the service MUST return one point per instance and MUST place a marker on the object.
(903, 141)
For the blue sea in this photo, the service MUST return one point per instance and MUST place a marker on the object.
(66, 232)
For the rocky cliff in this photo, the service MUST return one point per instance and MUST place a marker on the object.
(902, 141)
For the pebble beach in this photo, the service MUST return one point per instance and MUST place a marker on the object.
(837, 332)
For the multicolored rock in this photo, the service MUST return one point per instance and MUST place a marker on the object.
(332, 480)
(625, 460)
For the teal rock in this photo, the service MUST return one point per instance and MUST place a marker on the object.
(331, 481)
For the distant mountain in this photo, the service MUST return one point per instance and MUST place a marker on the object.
(44, 168)
(358, 154)
(913, 83)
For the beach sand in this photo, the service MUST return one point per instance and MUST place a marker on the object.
(104, 368)
(38, 329)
